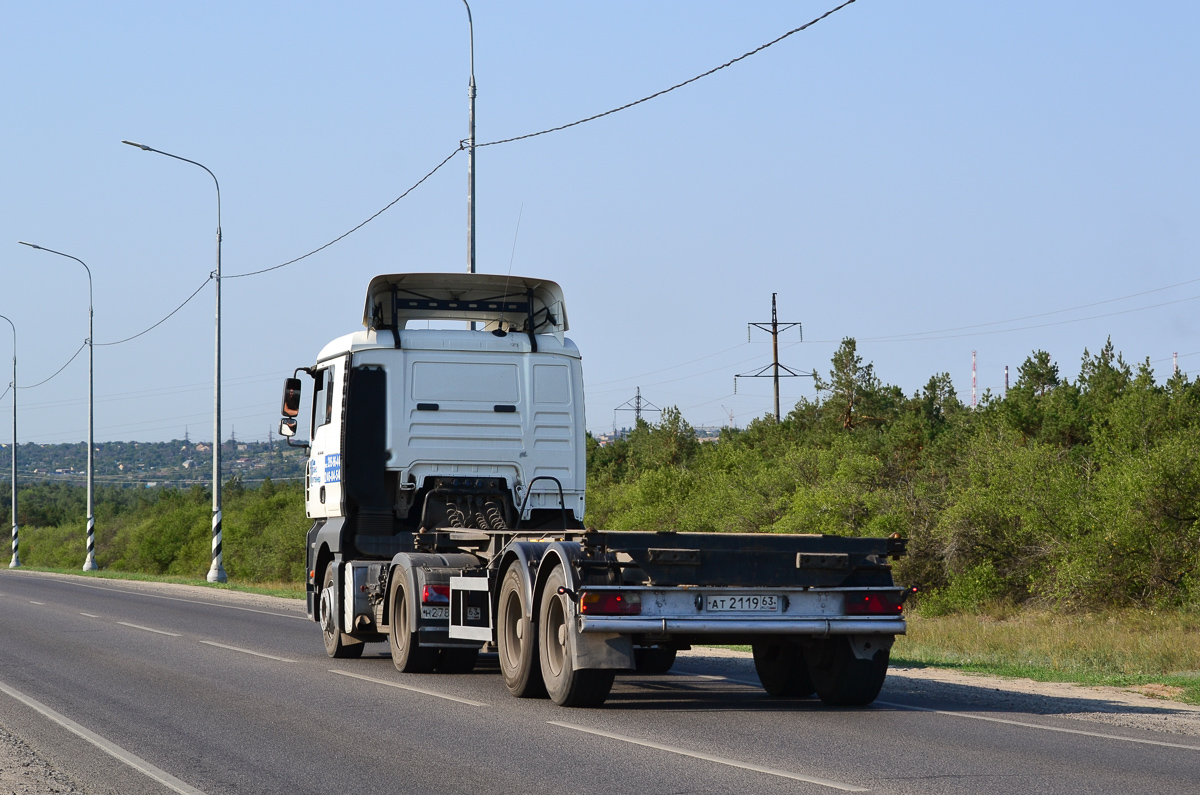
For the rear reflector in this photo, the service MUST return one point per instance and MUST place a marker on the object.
(874, 604)
(435, 595)
(610, 603)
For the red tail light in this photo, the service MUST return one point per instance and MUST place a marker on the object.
(610, 603)
(435, 595)
(874, 604)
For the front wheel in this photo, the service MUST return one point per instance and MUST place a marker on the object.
(567, 686)
(840, 677)
(782, 670)
(338, 644)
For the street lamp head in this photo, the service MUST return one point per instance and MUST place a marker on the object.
(31, 245)
(143, 147)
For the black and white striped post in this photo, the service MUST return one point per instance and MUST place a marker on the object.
(216, 571)
(89, 563)
(16, 556)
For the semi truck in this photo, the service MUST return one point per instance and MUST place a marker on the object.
(446, 482)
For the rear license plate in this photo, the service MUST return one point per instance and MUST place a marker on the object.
(742, 603)
(435, 612)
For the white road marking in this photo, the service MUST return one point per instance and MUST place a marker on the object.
(89, 615)
(824, 782)
(148, 629)
(1040, 726)
(433, 693)
(246, 651)
(36, 603)
(193, 601)
(107, 746)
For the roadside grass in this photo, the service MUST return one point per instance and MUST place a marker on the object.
(288, 590)
(1156, 652)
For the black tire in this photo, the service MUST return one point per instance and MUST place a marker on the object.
(566, 686)
(782, 670)
(516, 640)
(338, 644)
(653, 661)
(408, 655)
(840, 678)
(457, 661)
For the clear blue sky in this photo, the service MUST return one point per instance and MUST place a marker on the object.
(898, 168)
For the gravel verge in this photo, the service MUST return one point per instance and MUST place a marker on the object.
(23, 772)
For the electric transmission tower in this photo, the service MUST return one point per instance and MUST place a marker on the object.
(775, 370)
(637, 405)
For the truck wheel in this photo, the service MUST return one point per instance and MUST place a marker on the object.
(337, 643)
(457, 661)
(407, 653)
(653, 661)
(516, 640)
(566, 686)
(782, 670)
(840, 678)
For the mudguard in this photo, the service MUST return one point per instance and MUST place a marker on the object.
(594, 649)
(527, 555)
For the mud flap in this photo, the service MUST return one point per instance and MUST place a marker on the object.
(600, 650)
(865, 646)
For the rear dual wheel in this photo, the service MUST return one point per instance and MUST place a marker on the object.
(840, 677)
(408, 655)
(783, 670)
(653, 660)
(566, 685)
(516, 639)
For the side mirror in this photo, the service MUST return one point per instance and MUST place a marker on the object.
(291, 402)
(287, 427)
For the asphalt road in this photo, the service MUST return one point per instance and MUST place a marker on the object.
(213, 696)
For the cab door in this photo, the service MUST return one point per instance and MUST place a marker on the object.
(323, 496)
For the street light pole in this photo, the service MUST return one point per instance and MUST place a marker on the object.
(16, 558)
(216, 572)
(89, 563)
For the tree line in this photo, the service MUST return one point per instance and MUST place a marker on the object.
(1075, 493)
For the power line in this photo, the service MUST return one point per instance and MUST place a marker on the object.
(165, 319)
(56, 372)
(657, 94)
(389, 206)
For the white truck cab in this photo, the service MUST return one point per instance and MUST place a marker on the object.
(414, 428)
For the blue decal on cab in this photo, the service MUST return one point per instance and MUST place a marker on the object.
(333, 468)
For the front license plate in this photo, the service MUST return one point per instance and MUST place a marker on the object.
(742, 603)
(435, 612)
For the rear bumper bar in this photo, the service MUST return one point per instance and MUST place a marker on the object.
(718, 626)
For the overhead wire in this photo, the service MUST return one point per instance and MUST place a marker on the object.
(59, 370)
(344, 235)
(165, 319)
(657, 94)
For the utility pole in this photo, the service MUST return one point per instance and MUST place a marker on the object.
(1006, 380)
(774, 328)
(637, 405)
